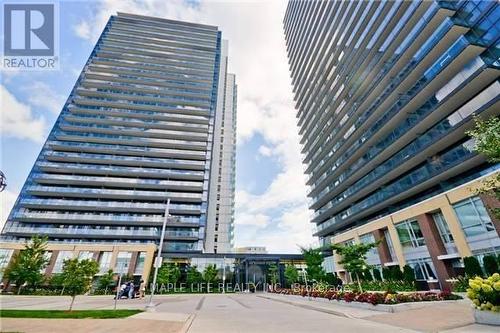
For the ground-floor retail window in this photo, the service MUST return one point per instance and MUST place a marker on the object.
(423, 268)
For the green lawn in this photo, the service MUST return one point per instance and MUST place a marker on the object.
(61, 314)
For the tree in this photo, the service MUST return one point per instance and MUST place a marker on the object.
(77, 276)
(27, 266)
(408, 274)
(314, 260)
(168, 274)
(193, 275)
(210, 274)
(106, 281)
(472, 267)
(354, 258)
(486, 135)
(490, 264)
(291, 274)
(272, 273)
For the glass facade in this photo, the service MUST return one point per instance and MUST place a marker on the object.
(409, 234)
(384, 91)
(137, 129)
(473, 217)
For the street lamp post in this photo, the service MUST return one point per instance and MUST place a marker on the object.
(158, 258)
(224, 275)
(121, 268)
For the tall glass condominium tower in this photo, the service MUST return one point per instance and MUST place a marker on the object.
(384, 93)
(137, 129)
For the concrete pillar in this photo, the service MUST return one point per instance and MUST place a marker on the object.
(52, 262)
(148, 263)
(490, 202)
(383, 248)
(396, 244)
(133, 262)
(436, 248)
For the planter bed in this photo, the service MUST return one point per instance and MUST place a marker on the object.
(392, 308)
(377, 301)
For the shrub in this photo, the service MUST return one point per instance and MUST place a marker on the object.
(390, 286)
(485, 293)
(370, 297)
(376, 275)
(387, 273)
(396, 273)
(408, 273)
(490, 264)
(472, 267)
(460, 285)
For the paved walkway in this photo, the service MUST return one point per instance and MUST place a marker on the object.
(240, 313)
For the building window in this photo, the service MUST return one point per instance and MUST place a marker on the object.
(123, 262)
(410, 234)
(473, 217)
(443, 229)
(423, 268)
(86, 255)
(139, 266)
(63, 255)
(367, 239)
(5, 256)
(105, 262)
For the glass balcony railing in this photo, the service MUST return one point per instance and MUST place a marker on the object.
(131, 181)
(443, 162)
(430, 105)
(115, 158)
(107, 192)
(485, 98)
(431, 72)
(81, 232)
(76, 204)
(119, 169)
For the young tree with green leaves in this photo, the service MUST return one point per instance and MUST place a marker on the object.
(354, 258)
(314, 260)
(77, 277)
(210, 274)
(26, 266)
(291, 274)
(273, 274)
(193, 276)
(106, 281)
(168, 273)
(487, 142)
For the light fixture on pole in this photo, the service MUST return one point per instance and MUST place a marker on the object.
(158, 259)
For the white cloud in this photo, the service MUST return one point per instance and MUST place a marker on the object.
(7, 200)
(17, 119)
(265, 151)
(256, 220)
(265, 106)
(42, 95)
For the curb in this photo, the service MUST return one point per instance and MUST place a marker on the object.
(309, 307)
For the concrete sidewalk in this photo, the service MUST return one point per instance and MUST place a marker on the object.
(450, 317)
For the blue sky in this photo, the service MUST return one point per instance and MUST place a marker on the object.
(271, 206)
